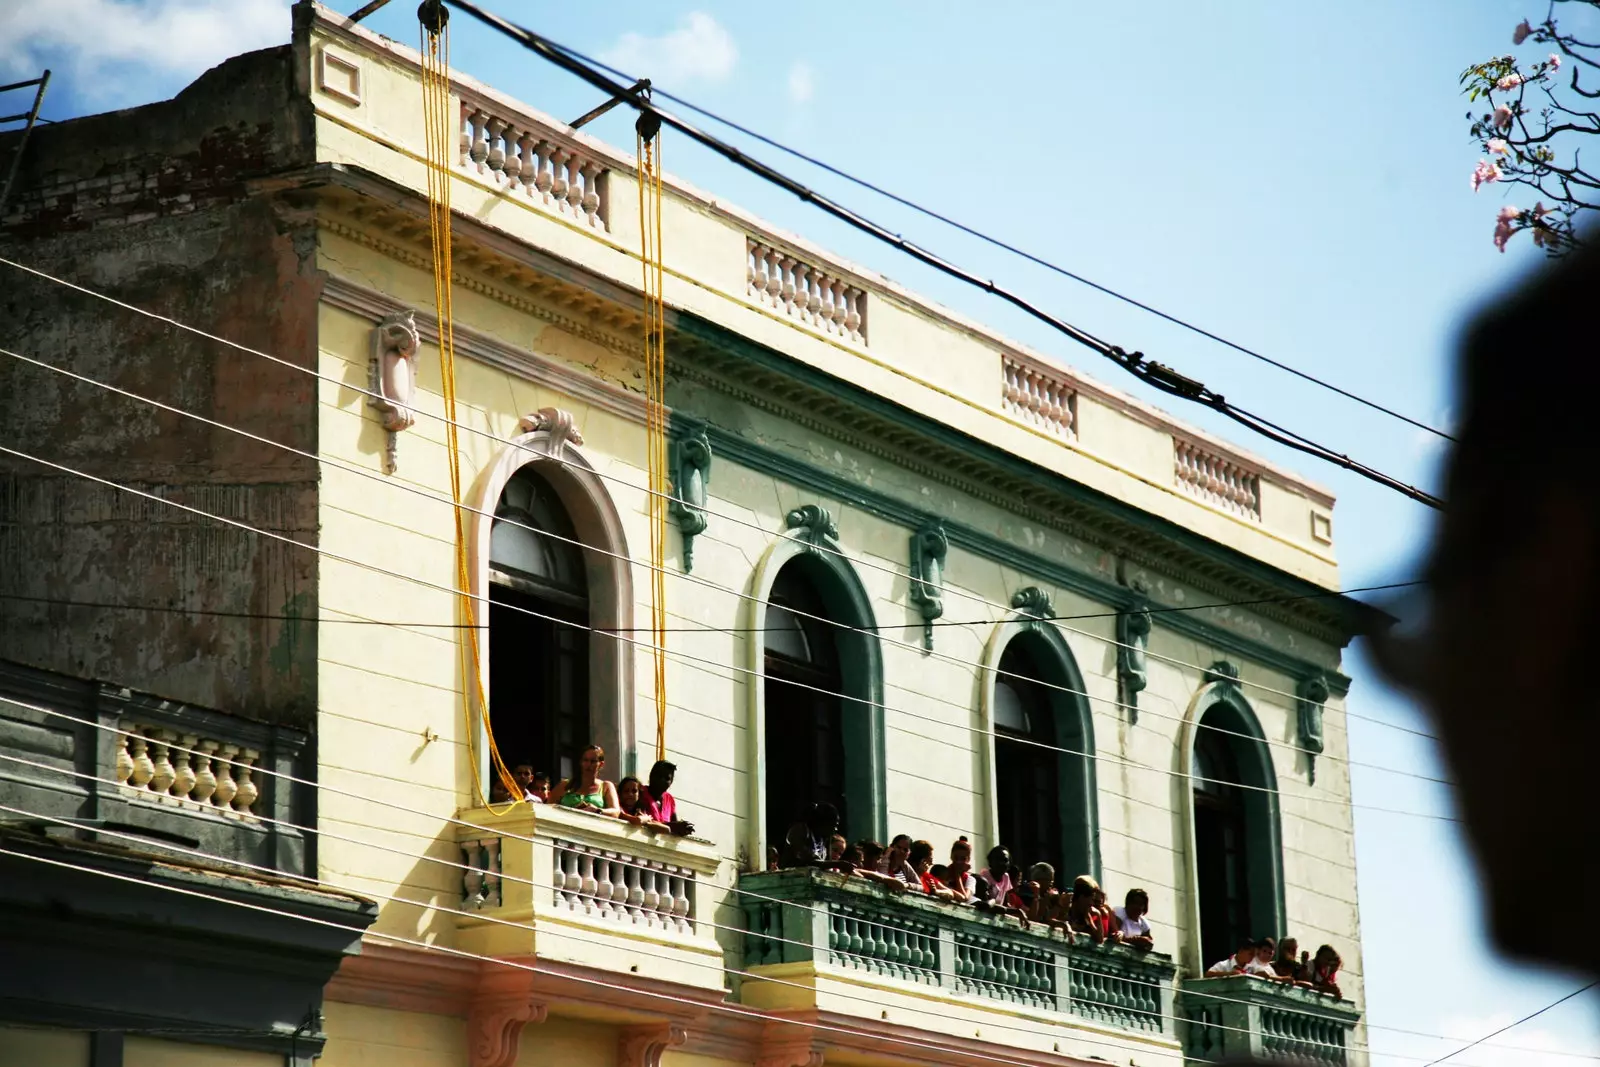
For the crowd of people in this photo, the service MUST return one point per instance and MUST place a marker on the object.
(999, 887)
(650, 805)
(1282, 961)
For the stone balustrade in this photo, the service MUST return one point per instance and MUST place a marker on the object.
(809, 294)
(533, 162)
(1216, 479)
(1040, 395)
(164, 765)
(1251, 1019)
(849, 925)
(588, 889)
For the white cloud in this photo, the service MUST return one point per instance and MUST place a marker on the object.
(802, 82)
(698, 50)
(102, 45)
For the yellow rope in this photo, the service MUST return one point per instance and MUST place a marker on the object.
(441, 139)
(648, 152)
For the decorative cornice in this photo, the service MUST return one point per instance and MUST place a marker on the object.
(738, 368)
(642, 1046)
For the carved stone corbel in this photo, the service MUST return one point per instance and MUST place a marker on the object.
(559, 426)
(1034, 602)
(691, 478)
(929, 547)
(494, 1030)
(1133, 639)
(642, 1046)
(814, 525)
(1313, 693)
(392, 378)
(1224, 672)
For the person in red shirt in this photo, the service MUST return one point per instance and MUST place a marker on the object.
(660, 804)
(921, 860)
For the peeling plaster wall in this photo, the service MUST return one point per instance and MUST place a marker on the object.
(164, 207)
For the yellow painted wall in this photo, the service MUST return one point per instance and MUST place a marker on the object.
(140, 1051)
(360, 1036)
(391, 792)
(27, 1047)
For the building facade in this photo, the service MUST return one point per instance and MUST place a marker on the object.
(916, 571)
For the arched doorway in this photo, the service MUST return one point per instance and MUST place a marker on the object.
(538, 637)
(1237, 866)
(1043, 791)
(826, 731)
(805, 748)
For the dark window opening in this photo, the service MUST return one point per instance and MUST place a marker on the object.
(538, 647)
(1027, 763)
(805, 750)
(1219, 841)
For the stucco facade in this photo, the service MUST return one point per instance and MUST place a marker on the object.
(835, 431)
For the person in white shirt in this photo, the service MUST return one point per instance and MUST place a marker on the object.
(1266, 955)
(1133, 928)
(1236, 964)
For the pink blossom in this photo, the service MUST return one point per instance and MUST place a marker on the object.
(1497, 146)
(1520, 34)
(1555, 62)
(1540, 211)
(1502, 226)
(1484, 173)
(1508, 83)
(1502, 117)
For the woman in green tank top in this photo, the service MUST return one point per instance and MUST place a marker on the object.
(587, 791)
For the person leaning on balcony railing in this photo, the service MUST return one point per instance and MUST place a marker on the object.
(870, 854)
(897, 861)
(1324, 974)
(590, 792)
(630, 797)
(921, 858)
(1287, 965)
(1238, 964)
(1083, 917)
(1043, 901)
(1132, 926)
(958, 872)
(662, 805)
(806, 843)
(997, 886)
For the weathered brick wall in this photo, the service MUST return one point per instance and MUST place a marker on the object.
(175, 208)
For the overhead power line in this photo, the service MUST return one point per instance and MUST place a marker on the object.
(1156, 375)
(870, 564)
(688, 657)
(1037, 260)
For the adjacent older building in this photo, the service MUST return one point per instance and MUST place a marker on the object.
(917, 572)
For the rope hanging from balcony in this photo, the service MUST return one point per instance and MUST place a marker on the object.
(441, 135)
(648, 152)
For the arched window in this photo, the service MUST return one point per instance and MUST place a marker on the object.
(1044, 789)
(1237, 864)
(820, 708)
(538, 644)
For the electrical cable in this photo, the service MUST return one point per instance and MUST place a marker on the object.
(226, 862)
(1519, 1022)
(282, 538)
(464, 867)
(997, 242)
(823, 548)
(659, 570)
(1156, 375)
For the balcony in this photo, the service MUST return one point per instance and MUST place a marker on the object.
(1248, 1018)
(578, 888)
(825, 941)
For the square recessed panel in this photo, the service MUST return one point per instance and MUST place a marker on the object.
(1322, 527)
(339, 76)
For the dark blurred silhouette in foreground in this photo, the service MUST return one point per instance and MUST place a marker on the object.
(1505, 660)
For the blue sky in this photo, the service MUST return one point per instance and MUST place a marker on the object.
(1291, 176)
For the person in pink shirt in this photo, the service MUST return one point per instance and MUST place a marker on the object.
(660, 804)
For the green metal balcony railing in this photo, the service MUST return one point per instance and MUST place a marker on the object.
(1248, 1018)
(850, 924)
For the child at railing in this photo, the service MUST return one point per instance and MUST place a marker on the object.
(1325, 971)
(920, 857)
(871, 855)
(1083, 917)
(630, 795)
(958, 873)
